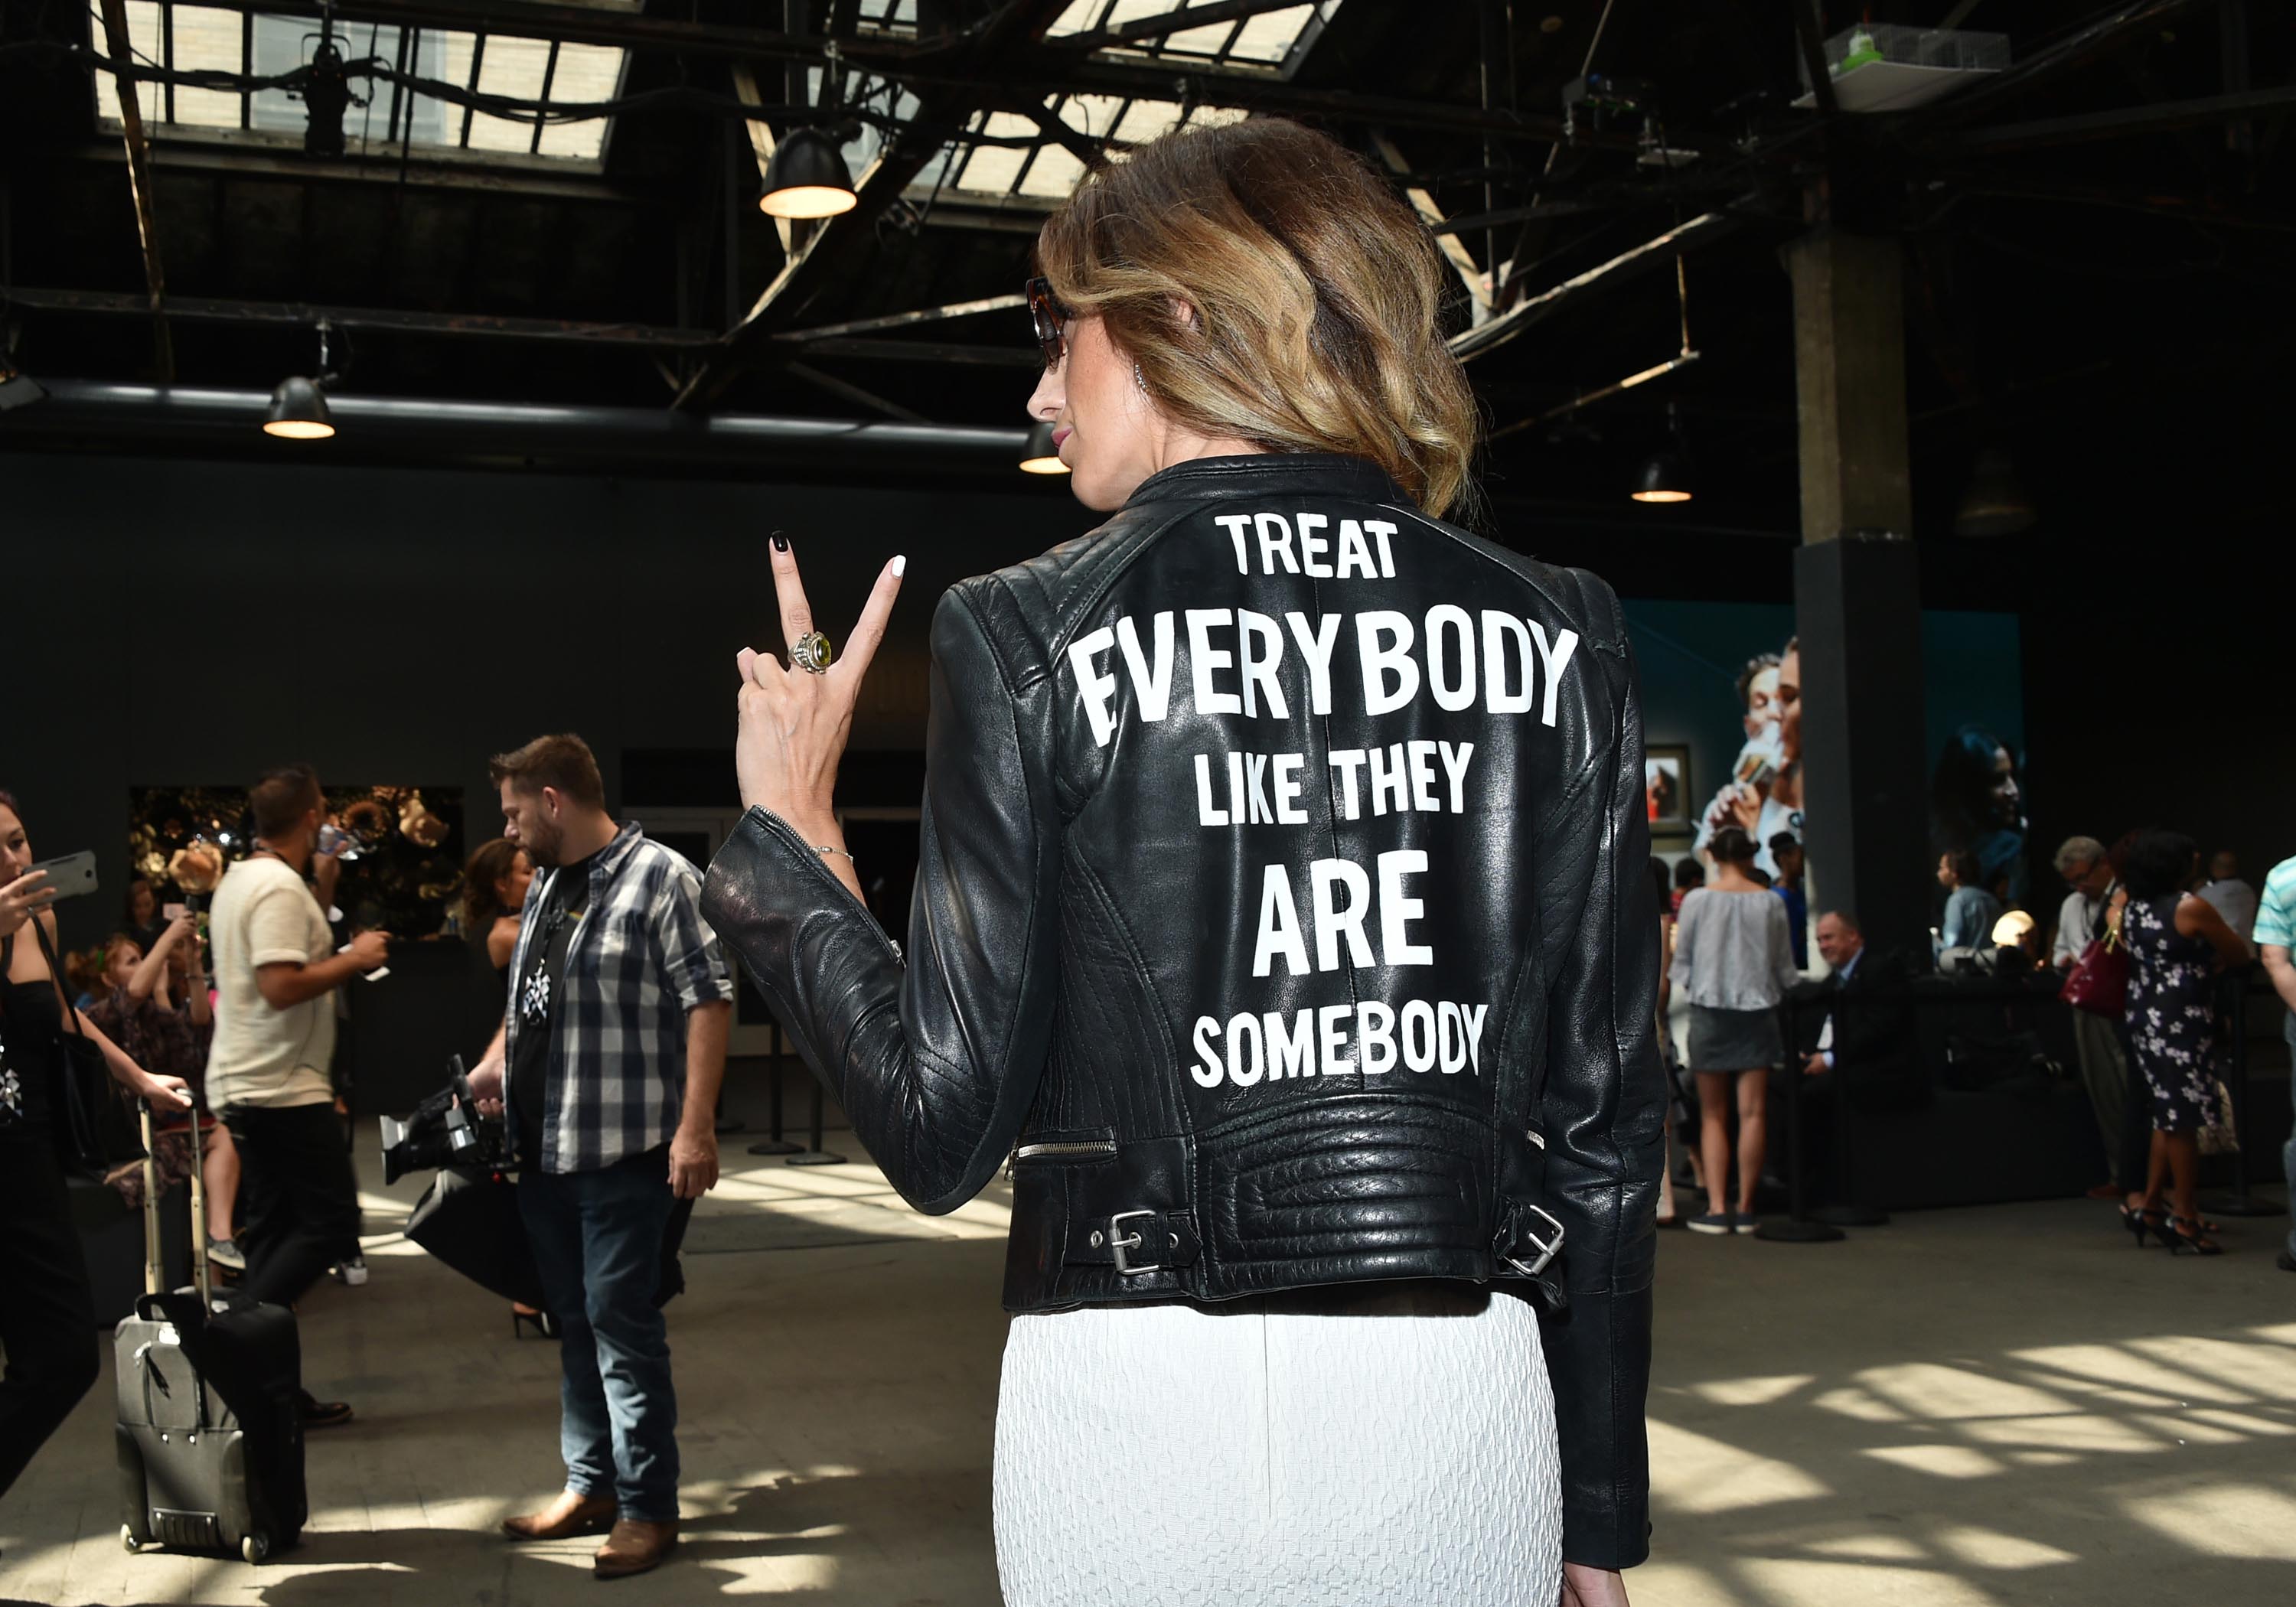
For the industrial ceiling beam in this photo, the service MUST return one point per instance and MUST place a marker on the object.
(835, 248)
(1659, 251)
(2126, 25)
(2158, 118)
(870, 349)
(139, 188)
(187, 151)
(301, 315)
(922, 315)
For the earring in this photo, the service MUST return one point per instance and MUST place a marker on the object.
(1139, 380)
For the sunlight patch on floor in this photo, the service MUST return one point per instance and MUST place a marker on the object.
(2242, 1521)
(1752, 1391)
(1940, 1461)
(1693, 1473)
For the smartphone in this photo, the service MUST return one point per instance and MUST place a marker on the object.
(72, 875)
(173, 912)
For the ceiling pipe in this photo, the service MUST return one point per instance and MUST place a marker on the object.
(83, 409)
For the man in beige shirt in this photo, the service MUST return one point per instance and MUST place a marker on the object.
(275, 1034)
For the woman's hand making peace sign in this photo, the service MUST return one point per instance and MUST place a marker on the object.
(795, 720)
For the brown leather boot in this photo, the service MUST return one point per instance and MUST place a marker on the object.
(634, 1547)
(568, 1516)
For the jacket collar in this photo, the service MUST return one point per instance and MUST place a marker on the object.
(1269, 474)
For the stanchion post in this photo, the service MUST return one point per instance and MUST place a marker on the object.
(814, 1155)
(774, 1143)
(2240, 1202)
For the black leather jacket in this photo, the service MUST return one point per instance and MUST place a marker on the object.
(1283, 913)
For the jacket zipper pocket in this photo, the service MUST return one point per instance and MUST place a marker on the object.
(1067, 1150)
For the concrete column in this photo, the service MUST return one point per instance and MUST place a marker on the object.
(1858, 596)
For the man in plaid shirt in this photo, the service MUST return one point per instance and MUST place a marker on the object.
(608, 1064)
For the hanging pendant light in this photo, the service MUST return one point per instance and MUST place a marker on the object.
(299, 412)
(299, 406)
(1041, 457)
(1665, 475)
(807, 177)
(1995, 504)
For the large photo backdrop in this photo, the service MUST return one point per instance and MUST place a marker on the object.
(1721, 686)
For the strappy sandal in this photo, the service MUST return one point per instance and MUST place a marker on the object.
(2185, 1237)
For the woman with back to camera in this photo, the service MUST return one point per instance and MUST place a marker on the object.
(1971, 909)
(1734, 960)
(1283, 910)
(47, 1323)
(2176, 945)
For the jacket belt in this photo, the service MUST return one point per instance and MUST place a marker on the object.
(1142, 1239)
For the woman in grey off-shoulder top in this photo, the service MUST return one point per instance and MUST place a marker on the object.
(1733, 961)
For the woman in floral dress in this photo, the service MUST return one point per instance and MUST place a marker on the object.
(2176, 945)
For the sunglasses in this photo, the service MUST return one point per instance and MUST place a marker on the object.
(1045, 311)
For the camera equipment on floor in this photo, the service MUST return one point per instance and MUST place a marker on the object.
(444, 1129)
(210, 1427)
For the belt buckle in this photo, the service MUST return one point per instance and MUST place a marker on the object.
(1546, 1251)
(1119, 1242)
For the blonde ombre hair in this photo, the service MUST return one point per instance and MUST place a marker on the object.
(1316, 296)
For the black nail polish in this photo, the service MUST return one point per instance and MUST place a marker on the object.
(781, 542)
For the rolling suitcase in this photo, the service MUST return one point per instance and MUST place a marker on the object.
(210, 1428)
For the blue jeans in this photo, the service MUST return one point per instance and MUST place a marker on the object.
(597, 1243)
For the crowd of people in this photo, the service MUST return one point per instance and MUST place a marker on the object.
(606, 1069)
(2139, 944)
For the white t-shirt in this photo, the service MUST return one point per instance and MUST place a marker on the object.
(263, 914)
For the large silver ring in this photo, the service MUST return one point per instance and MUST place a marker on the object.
(812, 653)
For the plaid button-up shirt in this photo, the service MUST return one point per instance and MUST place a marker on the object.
(639, 960)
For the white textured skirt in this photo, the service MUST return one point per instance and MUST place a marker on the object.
(1172, 1453)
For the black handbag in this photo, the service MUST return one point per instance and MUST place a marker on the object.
(94, 1128)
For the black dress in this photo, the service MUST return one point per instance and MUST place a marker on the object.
(47, 1321)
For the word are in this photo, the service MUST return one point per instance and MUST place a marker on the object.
(1236, 656)
(1265, 789)
(1421, 1037)
(1340, 909)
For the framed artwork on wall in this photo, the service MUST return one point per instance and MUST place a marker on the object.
(1666, 786)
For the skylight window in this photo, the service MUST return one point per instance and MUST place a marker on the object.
(208, 38)
(1276, 39)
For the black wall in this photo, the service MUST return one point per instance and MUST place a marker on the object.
(172, 620)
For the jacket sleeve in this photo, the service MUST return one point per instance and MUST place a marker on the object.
(1601, 1111)
(935, 1061)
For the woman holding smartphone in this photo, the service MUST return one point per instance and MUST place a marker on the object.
(47, 1323)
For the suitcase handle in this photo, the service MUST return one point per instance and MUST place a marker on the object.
(154, 1279)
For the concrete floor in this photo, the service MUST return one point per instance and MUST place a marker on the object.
(2004, 1405)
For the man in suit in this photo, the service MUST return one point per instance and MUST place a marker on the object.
(1862, 1044)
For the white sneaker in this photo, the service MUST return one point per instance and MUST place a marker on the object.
(224, 1252)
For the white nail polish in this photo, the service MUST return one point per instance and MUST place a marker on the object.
(901, 565)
